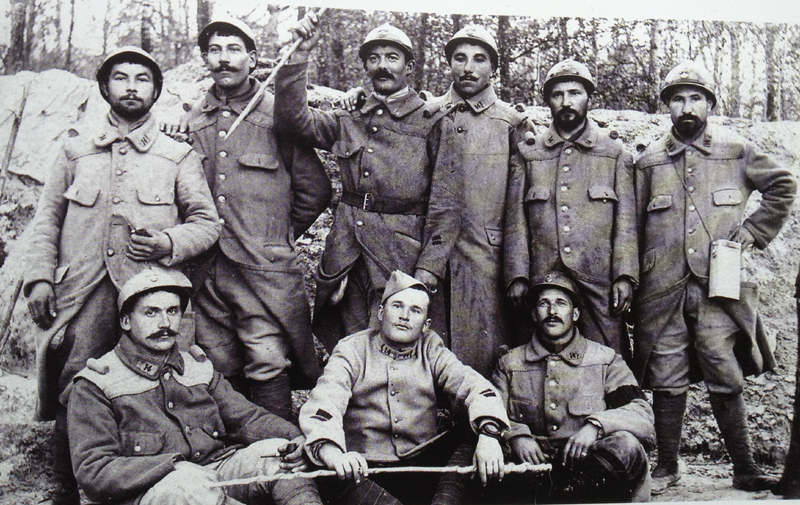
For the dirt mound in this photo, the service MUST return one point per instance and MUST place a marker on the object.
(55, 100)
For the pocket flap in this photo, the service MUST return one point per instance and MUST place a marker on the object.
(523, 412)
(82, 194)
(345, 149)
(602, 193)
(59, 274)
(138, 443)
(649, 260)
(659, 202)
(538, 194)
(585, 405)
(727, 197)
(494, 236)
(264, 161)
(156, 196)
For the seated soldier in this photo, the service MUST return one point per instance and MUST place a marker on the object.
(151, 425)
(575, 404)
(375, 405)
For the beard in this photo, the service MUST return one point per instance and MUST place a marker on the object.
(568, 119)
(688, 125)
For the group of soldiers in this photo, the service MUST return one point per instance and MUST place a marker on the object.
(460, 234)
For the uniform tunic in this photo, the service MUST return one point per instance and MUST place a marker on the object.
(268, 190)
(382, 403)
(385, 153)
(464, 230)
(576, 213)
(130, 425)
(682, 191)
(103, 186)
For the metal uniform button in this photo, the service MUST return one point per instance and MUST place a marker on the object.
(197, 455)
(393, 393)
(187, 429)
(396, 420)
(116, 199)
(119, 172)
(552, 383)
(460, 130)
(554, 427)
(222, 177)
(157, 198)
(691, 207)
(374, 129)
(123, 150)
(691, 250)
(170, 405)
(568, 151)
(689, 153)
(110, 252)
(379, 112)
(553, 406)
(361, 223)
(567, 250)
(564, 208)
(167, 376)
(366, 174)
(226, 113)
(396, 435)
(566, 169)
(567, 228)
(138, 448)
(223, 154)
(690, 170)
(222, 134)
(221, 199)
(691, 231)
(215, 434)
(564, 188)
(370, 150)
(222, 220)
(691, 189)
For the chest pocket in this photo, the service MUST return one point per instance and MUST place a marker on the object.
(586, 405)
(602, 193)
(140, 443)
(494, 236)
(156, 196)
(525, 412)
(264, 161)
(345, 149)
(659, 202)
(82, 193)
(727, 197)
(538, 194)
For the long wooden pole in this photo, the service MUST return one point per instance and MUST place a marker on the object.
(508, 468)
(263, 87)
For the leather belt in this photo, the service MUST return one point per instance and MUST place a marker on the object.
(371, 202)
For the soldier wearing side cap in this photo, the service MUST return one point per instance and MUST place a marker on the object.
(692, 187)
(121, 196)
(149, 424)
(386, 153)
(252, 315)
(575, 212)
(476, 164)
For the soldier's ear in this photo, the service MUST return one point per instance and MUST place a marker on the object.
(410, 66)
(426, 326)
(125, 321)
(380, 312)
(576, 313)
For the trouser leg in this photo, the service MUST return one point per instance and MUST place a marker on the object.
(668, 410)
(66, 491)
(453, 488)
(274, 395)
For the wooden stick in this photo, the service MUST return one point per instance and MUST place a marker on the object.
(508, 468)
(6, 319)
(271, 77)
(12, 140)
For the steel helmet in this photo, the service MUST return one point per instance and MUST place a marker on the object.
(689, 73)
(473, 34)
(568, 70)
(129, 54)
(233, 25)
(154, 278)
(386, 34)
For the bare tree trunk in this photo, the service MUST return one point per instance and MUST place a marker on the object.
(30, 24)
(203, 14)
(654, 67)
(14, 60)
(563, 39)
(595, 57)
(734, 95)
(147, 36)
(456, 22)
(421, 50)
(503, 24)
(68, 63)
(773, 74)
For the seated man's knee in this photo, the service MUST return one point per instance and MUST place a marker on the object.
(622, 455)
(184, 487)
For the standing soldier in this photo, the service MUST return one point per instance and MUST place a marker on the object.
(692, 186)
(464, 230)
(385, 153)
(120, 196)
(575, 212)
(253, 316)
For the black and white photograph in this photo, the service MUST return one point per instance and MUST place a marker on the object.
(435, 253)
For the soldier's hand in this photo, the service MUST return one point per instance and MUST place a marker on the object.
(427, 278)
(306, 29)
(97, 366)
(622, 296)
(488, 459)
(347, 465)
(179, 132)
(354, 98)
(293, 458)
(148, 245)
(42, 304)
(743, 236)
(527, 450)
(579, 444)
(516, 293)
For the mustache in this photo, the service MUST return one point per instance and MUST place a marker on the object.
(132, 96)
(166, 332)
(688, 117)
(468, 77)
(381, 73)
(567, 110)
(553, 319)
(222, 67)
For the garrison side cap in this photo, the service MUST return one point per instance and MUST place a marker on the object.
(131, 54)
(569, 70)
(689, 73)
(553, 280)
(154, 278)
(386, 34)
(473, 34)
(400, 281)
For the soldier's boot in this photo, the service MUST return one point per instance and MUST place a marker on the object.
(731, 414)
(668, 410)
(66, 490)
(274, 395)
